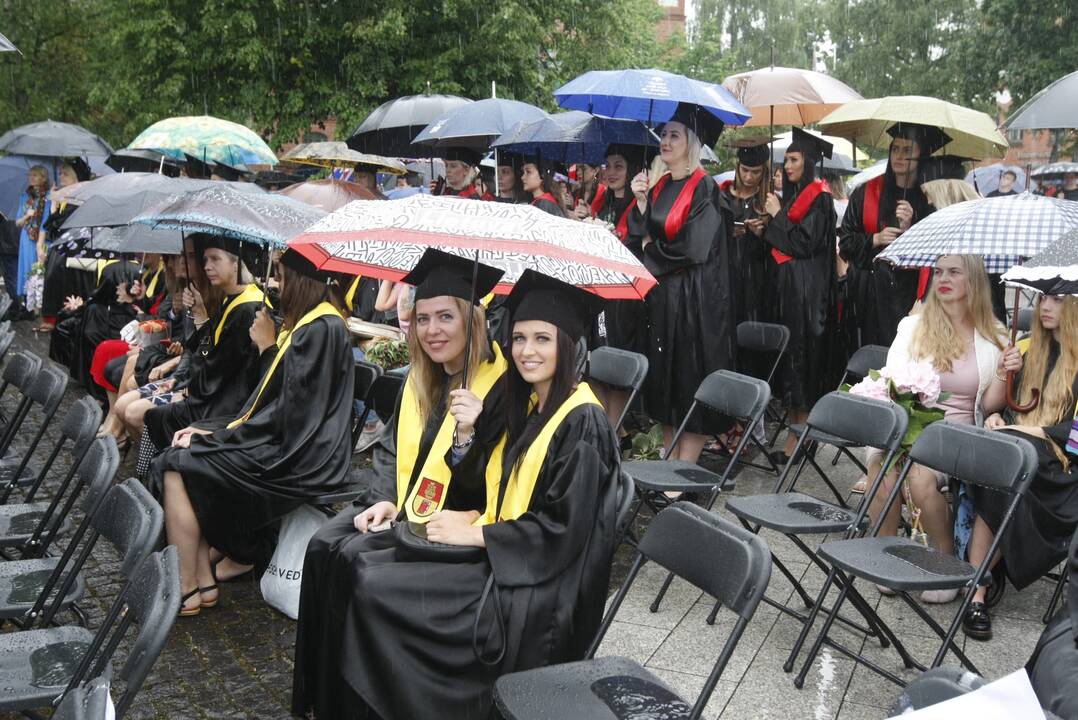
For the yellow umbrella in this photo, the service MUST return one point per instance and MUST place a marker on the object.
(337, 154)
(973, 133)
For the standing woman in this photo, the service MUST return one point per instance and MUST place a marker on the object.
(34, 211)
(801, 234)
(538, 182)
(227, 488)
(62, 281)
(689, 312)
(509, 189)
(744, 198)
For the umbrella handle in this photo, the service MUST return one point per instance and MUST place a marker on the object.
(1012, 402)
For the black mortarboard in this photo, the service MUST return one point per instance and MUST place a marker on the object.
(945, 167)
(752, 151)
(929, 138)
(196, 168)
(706, 126)
(546, 167)
(228, 244)
(295, 261)
(82, 170)
(510, 160)
(813, 147)
(464, 155)
(440, 273)
(229, 172)
(633, 153)
(487, 173)
(540, 297)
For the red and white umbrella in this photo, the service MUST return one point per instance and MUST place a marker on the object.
(385, 239)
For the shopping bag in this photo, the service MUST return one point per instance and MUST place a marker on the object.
(281, 581)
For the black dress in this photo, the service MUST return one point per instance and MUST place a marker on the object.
(1047, 517)
(690, 313)
(626, 320)
(548, 204)
(405, 628)
(804, 300)
(296, 445)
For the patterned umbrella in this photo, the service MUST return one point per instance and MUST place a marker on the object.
(385, 239)
(129, 182)
(338, 154)
(1056, 169)
(1053, 271)
(1002, 229)
(206, 138)
(268, 220)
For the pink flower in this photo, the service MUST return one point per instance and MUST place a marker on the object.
(875, 389)
(919, 378)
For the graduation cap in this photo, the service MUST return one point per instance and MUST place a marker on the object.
(546, 167)
(752, 151)
(632, 153)
(230, 172)
(82, 170)
(540, 297)
(706, 126)
(220, 242)
(813, 147)
(196, 168)
(510, 160)
(929, 138)
(296, 262)
(440, 273)
(945, 167)
(464, 155)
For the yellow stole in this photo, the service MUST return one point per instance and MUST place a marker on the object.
(151, 283)
(1023, 347)
(521, 483)
(250, 294)
(284, 341)
(101, 265)
(428, 495)
(350, 296)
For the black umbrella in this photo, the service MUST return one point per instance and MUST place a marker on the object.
(390, 129)
(8, 46)
(1053, 271)
(149, 161)
(53, 139)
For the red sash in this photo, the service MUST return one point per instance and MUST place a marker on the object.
(468, 192)
(679, 212)
(798, 209)
(870, 219)
(597, 201)
(622, 228)
(545, 196)
(489, 197)
(726, 185)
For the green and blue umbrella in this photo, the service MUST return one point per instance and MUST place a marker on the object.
(206, 138)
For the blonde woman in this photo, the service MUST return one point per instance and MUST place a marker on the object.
(958, 334)
(1038, 537)
(33, 212)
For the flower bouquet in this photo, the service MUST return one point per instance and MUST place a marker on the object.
(35, 286)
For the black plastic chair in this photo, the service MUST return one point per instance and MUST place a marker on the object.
(764, 339)
(89, 701)
(618, 369)
(7, 337)
(150, 600)
(366, 374)
(993, 460)
(5, 306)
(844, 416)
(383, 395)
(710, 552)
(19, 372)
(46, 391)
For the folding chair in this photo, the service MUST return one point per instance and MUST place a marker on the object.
(89, 701)
(46, 391)
(849, 417)
(151, 599)
(5, 305)
(974, 455)
(771, 339)
(19, 371)
(383, 395)
(618, 369)
(7, 337)
(713, 554)
(366, 374)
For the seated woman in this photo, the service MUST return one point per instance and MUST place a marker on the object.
(407, 640)
(227, 488)
(958, 334)
(1046, 518)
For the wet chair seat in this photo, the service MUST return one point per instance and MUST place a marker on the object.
(793, 512)
(36, 665)
(898, 562)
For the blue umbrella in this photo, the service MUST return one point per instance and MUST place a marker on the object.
(986, 179)
(14, 170)
(574, 136)
(476, 124)
(648, 95)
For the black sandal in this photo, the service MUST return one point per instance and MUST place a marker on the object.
(977, 623)
(245, 575)
(190, 612)
(211, 603)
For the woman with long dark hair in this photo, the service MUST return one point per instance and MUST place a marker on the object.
(538, 182)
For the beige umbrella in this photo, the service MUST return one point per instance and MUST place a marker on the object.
(329, 194)
(788, 96)
(338, 154)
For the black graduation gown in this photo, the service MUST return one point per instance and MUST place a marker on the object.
(295, 446)
(1068, 194)
(222, 376)
(748, 258)
(60, 280)
(878, 294)
(1038, 536)
(690, 315)
(804, 300)
(407, 627)
(548, 206)
(1054, 663)
(626, 320)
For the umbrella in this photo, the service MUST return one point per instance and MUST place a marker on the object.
(648, 95)
(144, 161)
(13, 171)
(113, 210)
(839, 161)
(390, 129)
(266, 219)
(1053, 271)
(574, 136)
(986, 178)
(327, 195)
(788, 96)
(1056, 170)
(140, 182)
(338, 154)
(1054, 107)
(386, 239)
(973, 133)
(8, 46)
(137, 238)
(53, 139)
(872, 171)
(475, 125)
(206, 138)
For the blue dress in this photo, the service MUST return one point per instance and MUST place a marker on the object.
(27, 247)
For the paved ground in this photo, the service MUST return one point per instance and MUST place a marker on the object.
(236, 661)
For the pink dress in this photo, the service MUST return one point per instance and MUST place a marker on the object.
(961, 382)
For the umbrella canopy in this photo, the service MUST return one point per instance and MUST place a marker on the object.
(1054, 107)
(986, 179)
(1055, 170)
(385, 239)
(137, 238)
(327, 195)
(1053, 271)
(574, 136)
(973, 133)
(114, 209)
(8, 46)
(872, 171)
(13, 176)
(130, 182)
(206, 138)
(267, 219)
(150, 161)
(390, 129)
(648, 95)
(788, 96)
(53, 139)
(839, 160)
(1002, 229)
(338, 154)
(475, 125)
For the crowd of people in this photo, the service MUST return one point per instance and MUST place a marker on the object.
(483, 541)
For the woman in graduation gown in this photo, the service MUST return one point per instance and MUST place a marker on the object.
(460, 172)
(414, 647)
(60, 280)
(690, 311)
(537, 180)
(744, 198)
(1046, 518)
(441, 435)
(226, 488)
(801, 235)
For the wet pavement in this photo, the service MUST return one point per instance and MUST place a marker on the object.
(235, 661)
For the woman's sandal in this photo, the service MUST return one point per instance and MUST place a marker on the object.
(211, 603)
(190, 612)
(246, 574)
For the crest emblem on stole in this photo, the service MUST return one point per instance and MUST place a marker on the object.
(428, 497)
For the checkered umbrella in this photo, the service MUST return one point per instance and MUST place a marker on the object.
(1002, 229)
